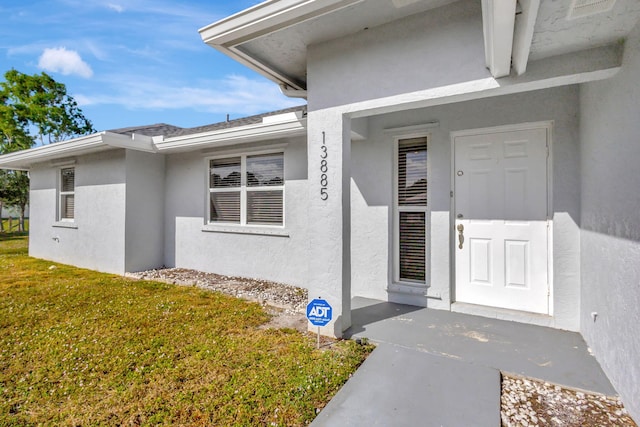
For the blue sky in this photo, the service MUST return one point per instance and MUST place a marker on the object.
(135, 62)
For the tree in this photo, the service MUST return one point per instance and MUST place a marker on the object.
(33, 109)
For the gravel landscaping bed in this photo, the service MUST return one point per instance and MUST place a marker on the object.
(527, 402)
(524, 401)
(285, 303)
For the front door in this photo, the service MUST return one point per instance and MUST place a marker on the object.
(501, 211)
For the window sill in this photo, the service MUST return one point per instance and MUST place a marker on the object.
(65, 224)
(259, 231)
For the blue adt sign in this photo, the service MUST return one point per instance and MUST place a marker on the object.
(319, 312)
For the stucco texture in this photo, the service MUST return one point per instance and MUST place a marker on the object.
(610, 235)
(189, 244)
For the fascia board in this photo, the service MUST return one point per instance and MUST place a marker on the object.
(265, 18)
(23, 160)
(134, 142)
(233, 136)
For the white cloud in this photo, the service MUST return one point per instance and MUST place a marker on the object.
(64, 61)
(115, 7)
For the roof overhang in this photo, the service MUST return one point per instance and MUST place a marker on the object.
(23, 160)
(264, 18)
(288, 125)
(272, 37)
(276, 127)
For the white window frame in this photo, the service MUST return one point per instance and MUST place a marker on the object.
(243, 226)
(397, 209)
(62, 193)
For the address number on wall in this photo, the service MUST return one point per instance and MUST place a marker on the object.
(324, 168)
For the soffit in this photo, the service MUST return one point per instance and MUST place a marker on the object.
(284, 51)
(554, 34)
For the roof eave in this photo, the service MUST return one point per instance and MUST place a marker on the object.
(265, 18)
(25, 159)
(233, 136)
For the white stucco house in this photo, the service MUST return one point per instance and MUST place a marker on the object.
(522, 116)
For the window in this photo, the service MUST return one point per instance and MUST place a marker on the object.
(67, 187)
(247, 189)
(411, 209)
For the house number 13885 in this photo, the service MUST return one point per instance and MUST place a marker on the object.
(324, 168)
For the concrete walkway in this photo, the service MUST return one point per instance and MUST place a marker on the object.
(438, 368)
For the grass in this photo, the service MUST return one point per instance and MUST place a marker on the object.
(79, 347)
(14, 224)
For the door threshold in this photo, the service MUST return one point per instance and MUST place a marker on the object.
(504, 314)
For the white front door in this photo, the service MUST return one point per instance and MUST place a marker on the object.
(501, 229)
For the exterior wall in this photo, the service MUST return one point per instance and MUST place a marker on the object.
(145, 211)
(97, 238)
(372, 189)
(438, 48)
(610, 238)
(278, 258)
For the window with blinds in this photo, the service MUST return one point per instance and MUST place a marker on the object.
(247, 189)
(412, 209)
(67, 194)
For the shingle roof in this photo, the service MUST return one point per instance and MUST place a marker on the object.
(170, 131)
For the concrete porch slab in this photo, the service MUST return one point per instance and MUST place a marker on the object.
(549, 354)
(397, 386)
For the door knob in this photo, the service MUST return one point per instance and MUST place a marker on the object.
(460, 235)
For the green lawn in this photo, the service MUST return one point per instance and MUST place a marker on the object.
(84, 348)
(14, 224)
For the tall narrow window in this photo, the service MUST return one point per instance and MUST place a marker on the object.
(67, 194)
(247, 189)
(412, 209)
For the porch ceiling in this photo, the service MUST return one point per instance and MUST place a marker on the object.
(273, 37)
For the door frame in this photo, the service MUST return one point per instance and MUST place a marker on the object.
(548, 127)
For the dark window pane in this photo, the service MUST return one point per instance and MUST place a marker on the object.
(265, 169)
(412, 172)
(68, 179)
(68, 206)
(224, 173)
(264, 207)
(225, 207)
(412, 246)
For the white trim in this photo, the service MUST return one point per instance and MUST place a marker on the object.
(61, 193)
(263, 149)
(63, 162)
(65, 224)
(22, 160)
(412, 129)
(247, 229)
(548, 126)
(265, 18)
(498, 21)
(397, 284)
(523, 34)
(233, 136)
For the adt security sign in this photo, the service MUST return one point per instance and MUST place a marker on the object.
(319, 312)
